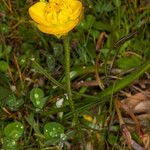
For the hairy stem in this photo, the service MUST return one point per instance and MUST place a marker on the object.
(67, 71)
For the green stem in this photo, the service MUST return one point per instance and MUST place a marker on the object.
(67, 71)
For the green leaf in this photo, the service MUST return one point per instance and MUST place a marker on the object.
(14, 130)
(50, 60)
(99, 25)
(112, 139)
(9, 144)
(14, 103)
(3, 66)
(36, 96)
(7, 50)
(136, 137)
(101, 7)
(53, 130)
(27, 48)
(4, 28)
(4, 92)
(30, 119)
(58, 50)
(23, 61)
(129, 62)
(90, 19)
(117, 3)
(87, 23)
(94, 33)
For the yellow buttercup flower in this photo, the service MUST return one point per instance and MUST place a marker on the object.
(56, 17)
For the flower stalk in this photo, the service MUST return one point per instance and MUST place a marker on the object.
(58, 17)
(67, 72)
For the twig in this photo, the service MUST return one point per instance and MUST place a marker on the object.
(19, 70)
(99, 44)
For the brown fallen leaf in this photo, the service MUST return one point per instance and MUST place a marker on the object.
(138, 103)
(138, 108)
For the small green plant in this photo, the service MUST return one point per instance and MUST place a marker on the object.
(12, 133)
(37, 97)
(54, 132)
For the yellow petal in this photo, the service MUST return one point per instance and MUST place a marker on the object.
(76, 9)
(88, 118)
(58, 30)
(36, 12)
(63, 17)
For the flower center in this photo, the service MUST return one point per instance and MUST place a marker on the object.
(57, 12)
